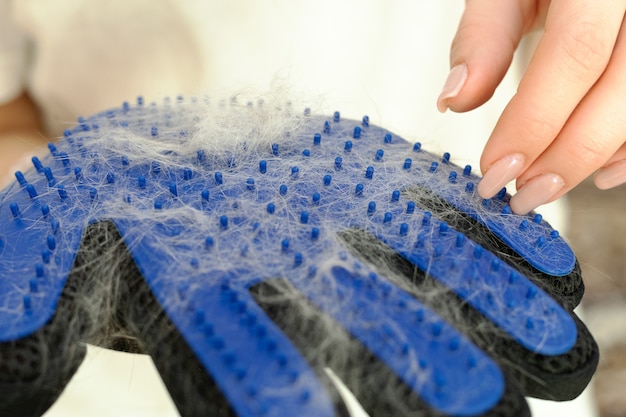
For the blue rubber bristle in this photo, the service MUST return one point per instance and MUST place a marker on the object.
(32, 192)
(15, 210)
(311, 205)
(20, 178)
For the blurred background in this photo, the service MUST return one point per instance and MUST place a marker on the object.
(597, 232)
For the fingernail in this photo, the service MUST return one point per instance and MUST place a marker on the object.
(536, 192)
(452, 87)
(611, 175)
(499, 174)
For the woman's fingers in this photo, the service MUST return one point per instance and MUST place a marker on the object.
(482, 50)
(566, 120)
(572, 55)
(594, 132)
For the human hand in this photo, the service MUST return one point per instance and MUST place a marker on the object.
(567, 119)
(249, 250)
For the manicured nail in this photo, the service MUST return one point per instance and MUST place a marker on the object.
(499, 174)
(611, 175)
(452, 87)
(536, 192)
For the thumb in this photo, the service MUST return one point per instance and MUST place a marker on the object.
(482, 50)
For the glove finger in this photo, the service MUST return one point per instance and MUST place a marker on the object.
(501, 319)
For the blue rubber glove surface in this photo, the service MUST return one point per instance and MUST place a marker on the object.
(253, 251)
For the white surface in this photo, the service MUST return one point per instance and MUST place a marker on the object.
(114, 384)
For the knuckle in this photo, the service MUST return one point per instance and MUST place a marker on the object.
(587, 153)
(467, 34)
(536, 127)
(587, 47)
(474, 36)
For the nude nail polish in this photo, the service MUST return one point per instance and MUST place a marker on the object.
(537, 191)
(453, 85)
(499, 174)
(611, 175)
